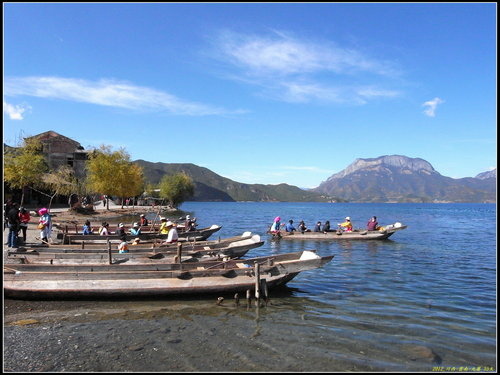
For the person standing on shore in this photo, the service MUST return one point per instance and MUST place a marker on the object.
(24, 218)
(45, 225)
(13, 223)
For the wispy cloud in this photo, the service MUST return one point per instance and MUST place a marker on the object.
(15, 112)
(107, 92)
(298, 70)
(432, 106)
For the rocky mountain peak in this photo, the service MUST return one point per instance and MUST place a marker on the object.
(488, 174)
(387, 161)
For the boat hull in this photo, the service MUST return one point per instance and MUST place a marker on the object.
(49, 282)
(198, 235)
(334, 236)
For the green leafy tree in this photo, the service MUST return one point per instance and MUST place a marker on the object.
(176, 188)
(112, 173)
(24, 167)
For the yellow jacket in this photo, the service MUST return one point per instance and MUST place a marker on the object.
(163, 228)
(347, 225)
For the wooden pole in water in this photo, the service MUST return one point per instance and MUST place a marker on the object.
(179, 254)
(249, 297)
(109, 252)
(265, 290)
(257, 280)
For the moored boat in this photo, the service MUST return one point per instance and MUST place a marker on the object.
(141, 245)
(134, 255)
(29, 281)
(382, 234)
(198, 235)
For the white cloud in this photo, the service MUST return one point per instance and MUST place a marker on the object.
(432, 106)
(285, 55)
(107, 93)
(15, 112)
(295, 70)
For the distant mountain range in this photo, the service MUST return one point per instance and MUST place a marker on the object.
(397, 178)
(210, 186)
(390, 178)
(393, 178)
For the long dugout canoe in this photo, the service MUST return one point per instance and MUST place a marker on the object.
(96, 256)
(145, 246)
(41, 282)
(336, 235)
(198, 235)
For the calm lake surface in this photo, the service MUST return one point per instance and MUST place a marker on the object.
(425, 300)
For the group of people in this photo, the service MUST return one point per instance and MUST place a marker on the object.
(166, 227)
(17, 220)
(345, 226)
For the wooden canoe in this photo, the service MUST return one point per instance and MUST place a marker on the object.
(76, 228)
(158, 255)
(27, 281)
(384, 234)
(145, 246)
(198, 235)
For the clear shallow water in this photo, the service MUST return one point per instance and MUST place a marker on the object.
(424, 300)
(433, 284)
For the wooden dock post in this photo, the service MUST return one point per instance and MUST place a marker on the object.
(179, 254)
(110, 259)
(257, 281)
(265, 291)
(249, 297)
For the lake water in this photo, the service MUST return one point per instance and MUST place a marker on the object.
(425, 300)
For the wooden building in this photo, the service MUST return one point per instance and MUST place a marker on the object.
(60, 150)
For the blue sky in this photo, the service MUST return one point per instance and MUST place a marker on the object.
(259, 93)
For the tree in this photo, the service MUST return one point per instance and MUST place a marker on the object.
(61, 181)
(24, 166)
(176, 188)
(112, 173)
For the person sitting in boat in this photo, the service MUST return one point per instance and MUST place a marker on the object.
(289, 226)
(303, 227)
(189, 224)
(120, 231)
(372, 223)
(326, 227)
(163, 226)
(173, 236)
(103, 230)
(275, 227)
(317, 227)
(87, 229)
(346, 226)
(144, 222)
(123, 246)
(135, 230)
